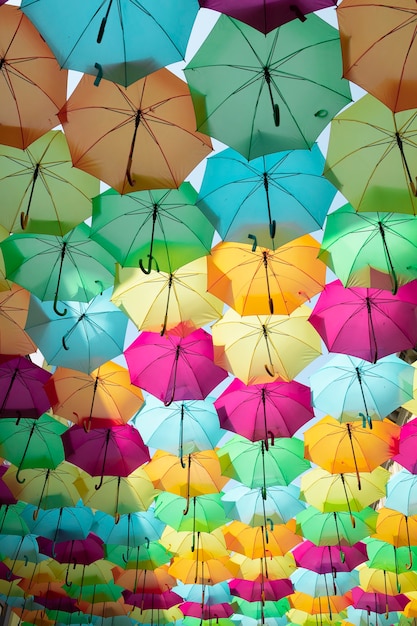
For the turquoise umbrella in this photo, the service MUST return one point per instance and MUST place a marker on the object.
(60, 524)
(402, 493)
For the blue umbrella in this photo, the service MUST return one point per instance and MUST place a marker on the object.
(316, 585)
(267, 201)
(205, 594)
(60, 524)
(402, 493)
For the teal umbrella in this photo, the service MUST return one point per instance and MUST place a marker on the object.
(11, 519)
(59, 524)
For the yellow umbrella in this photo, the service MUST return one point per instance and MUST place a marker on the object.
(297, 616)
(144, 580)
(262, 348)
(208, 572)
(14, 305)
(156, 616)
(259, 541)
(166, 299)
(273, 567)
(382, 581)
(397, 529)
(188, 544)
(100, 571)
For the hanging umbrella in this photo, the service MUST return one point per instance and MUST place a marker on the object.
(257, 349)
(259, 610)
(336, 528)
(132, 530)
(103, 398)
(157, 228)
(255, 466)
(208, 572)
(364, 617)
(259, 541)
(268, 590)
(348, 388)
(401, 491)
(85, 337)
(328, 559)
(168, 299)
(274, 568)
(144, 556)
(115, 451)
(73, 553)
(274, 198)
(72, 267)
(60, 524)
(14, 304)
(205, 594)
(104, 592)
(309, 604)
(371, 157)
(378, 602)
(149, 581)
(381, 246)
(32, 86)
(98, 572)
(215, 611)
(326, 584)
(45, 193)
(258, 281)
(11, 520)
(155, 601)
(202, 547)
(259, 411)
(406, 454)
(22, 391)
(269, 79)
(174, 367)
(370, 323)
(205, 513)
(382, 581)
(384, 556)
(147, 132)
(397, 529)
(32, 443)
(102, 39)
(380, 58)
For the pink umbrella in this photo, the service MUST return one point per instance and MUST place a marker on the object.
(174, 367)
(329, 559)
(253, 591)
(378, 602)
(367, 323)
(407, 447)
(268, 410)
(147, 600)
(115, 451)
(209, 611)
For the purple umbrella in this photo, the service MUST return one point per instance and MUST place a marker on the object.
(21, 388)
(164, 600)
(74, 552)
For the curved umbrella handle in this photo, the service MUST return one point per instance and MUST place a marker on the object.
(149, 268)
(64, 345)
(60, 313)
(24, 218)
(17, 476)
(99, 76)
(255, 242)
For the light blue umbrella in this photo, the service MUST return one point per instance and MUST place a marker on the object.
(319, 585)
(268, 201)
(402, 493)
(60, 524)
(205, 594)
(348, 388)
(360, 617)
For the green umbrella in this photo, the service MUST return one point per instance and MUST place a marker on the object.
(45, 193)
(205, 512)
(11, 520)
(158, 229)
(372, 157)
(383, 555)
(265, 93)
(145, 556)
(53, 268)
(335, 529)
(262, 609)
(32, 443)
(102, 592)
(370, 249)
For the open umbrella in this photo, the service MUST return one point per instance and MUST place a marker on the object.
(401, 492)
(274, 198)
(259, 541)
(141, 137)
(205, 513)
(328, 559)
(11, 520)
(14, 304)
(336, 528)
(148, 555)
(274, 81)
(384, 556)
(406, 456)
(101, 38)
(22, 392)
(60, 524)
(32, 86)
(156, 228)
(325, 584)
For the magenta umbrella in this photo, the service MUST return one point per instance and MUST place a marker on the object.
(253, 591)
(174, 367)
(366, 323)
(22, 391)
(265, 15)
(407, 447)
(264, 411)
(115, 451)
(378, 602)
(329, 559)
(57, 602)
(147, 600)
(206, 611)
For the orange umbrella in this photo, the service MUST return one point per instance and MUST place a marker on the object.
(208, 572)
(32, 85)
(397, 529)
(103, 398)
(258, 281)
(144, 580)
(37, 617)
(259, 541)
(329, 604)
(134, 138)
(14, 306)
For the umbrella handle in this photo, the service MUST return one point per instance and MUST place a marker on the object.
(60, 313)
(298, 13)
(255, 242)
(99, 76)
(272, 229)
(19, 480)
(149, 268)
(24, 218)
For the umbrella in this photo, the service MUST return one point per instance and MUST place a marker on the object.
(104, 397)
(85, 337)
(269, 79)
(74, 552)
(202, 547)
(336, 528)
(207, 572)
(259, 348)
(348, 388)
(375, 148)
(11, 520)
(144, 581)
(319, 585)
(115, 451)
(297, 616)
(144, 601)
(32, 86)
(100, 38)
(131, 531)
(406, 453)
(205, 513)
(382, 581)
(60, 524)
(384, 556)
(267, 590)
(397, 529)
(157, 228)
(316, 605)
(32, 443)
(273, 568)
(378, 602)
(259, 541)
(364, 617)
(97, 572)
(45, 193)
(274, 198)
(168, 299)
(174, 367)
(380, 245)
(72, 267)
(255, 466)
(401, 494)
(144, 556)
(370, 323)
(328, 559)
(380, 58)
(205, 594)
(147, 132)
(259, 411)
(258, 281)
(215, 611)
(14, 304)
(22, 391)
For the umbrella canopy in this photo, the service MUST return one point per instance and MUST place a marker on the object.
(269, 79)
(329, 559)
(274, 198)
(22, 392)
(371, 157)
(144, 556)
(60, 524)
(12, 522)
(319, 585)
(14, 304)
(97, 38)
(259, 541)
(252, 590)
(205, 513)
(397, 529)
(45, 193)
(406, 456)
(141, 137)
(336, 528)
(378, 602)
(33, 88)
(401, 492)
(156, 228)
(384, 556)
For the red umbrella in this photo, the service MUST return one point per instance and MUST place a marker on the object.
(367, 323)
(115, 451)
(174, 367)
(262, 411)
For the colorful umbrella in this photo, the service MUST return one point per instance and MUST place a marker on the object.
(205, 513)
(174, 367)
(141, 581)
(397, 529)
(100, 39)
(378, 602)
(141, 137)
(157, 228)
(274, 198)
(284, 100)
(331, 604)
(336, 528)
(401, 494)
(32, 86)
(60, 524)
(14, 305)
(406, 453)
(208, 572)
(259, 541)
(328, 559)
(325, 584)
(11, 520)
(144, 556)
(268, 590)
(22, 391)
(274, 568)
(384, 556)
